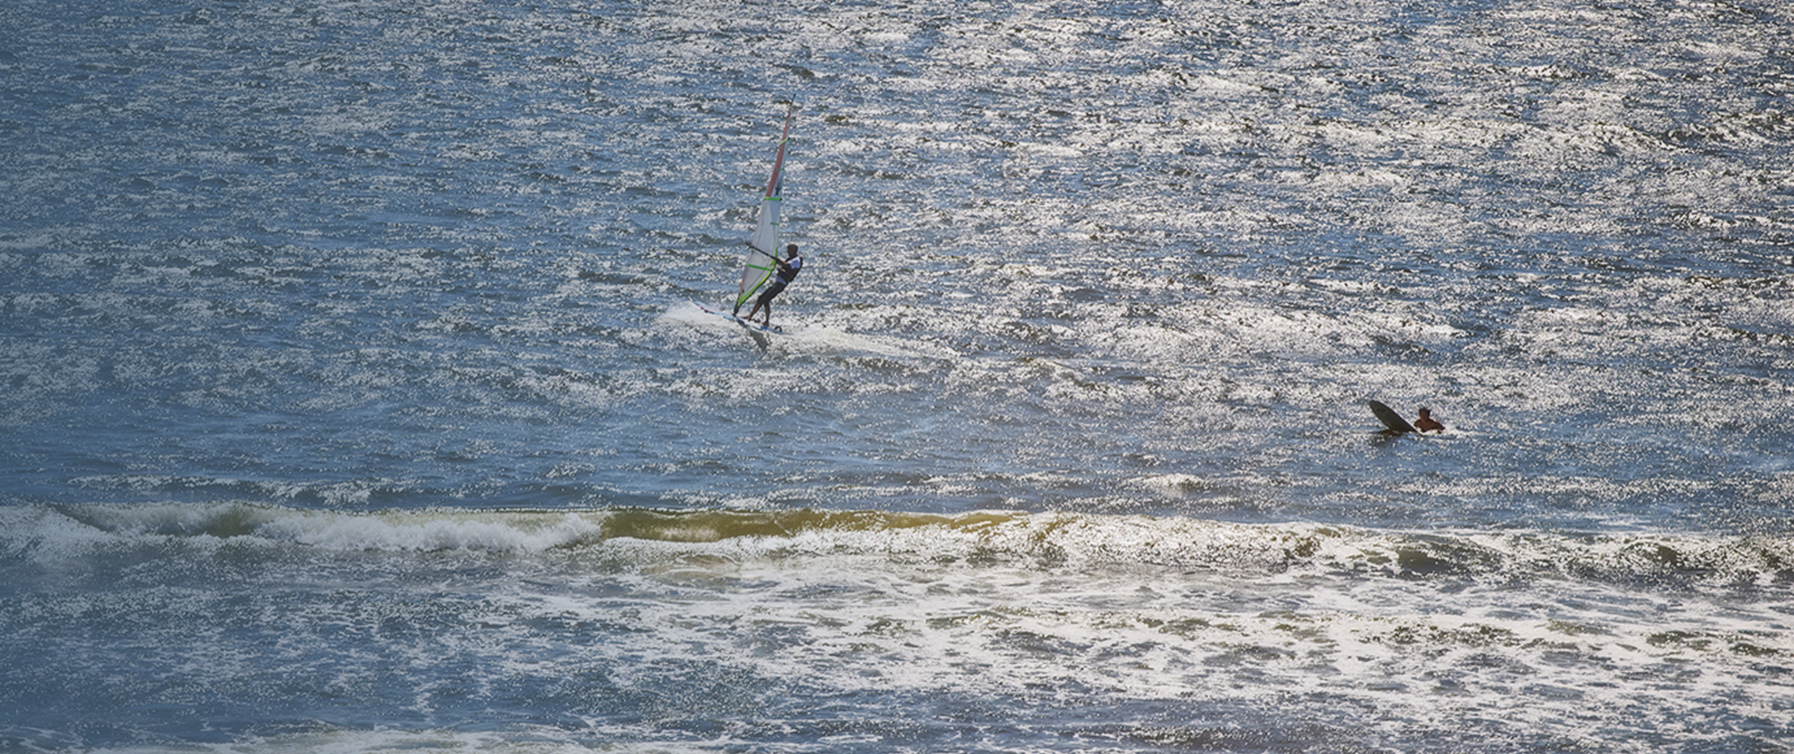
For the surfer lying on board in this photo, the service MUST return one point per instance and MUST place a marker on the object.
(788, 269)
(1426, 422)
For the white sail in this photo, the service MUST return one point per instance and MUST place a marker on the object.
(757, 262)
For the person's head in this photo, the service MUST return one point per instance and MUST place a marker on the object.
(1425, 412)
(791, 251)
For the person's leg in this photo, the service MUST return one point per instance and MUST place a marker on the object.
(765, 301)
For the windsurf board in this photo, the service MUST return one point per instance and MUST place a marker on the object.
(737, 320)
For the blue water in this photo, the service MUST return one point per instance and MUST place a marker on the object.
(355, 397)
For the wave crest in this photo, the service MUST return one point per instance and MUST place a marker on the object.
(1046, 540)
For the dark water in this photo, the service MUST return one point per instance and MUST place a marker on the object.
(354, 398)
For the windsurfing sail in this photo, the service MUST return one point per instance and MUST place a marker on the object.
(758, 263)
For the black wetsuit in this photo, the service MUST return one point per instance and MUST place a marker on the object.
(787, 273)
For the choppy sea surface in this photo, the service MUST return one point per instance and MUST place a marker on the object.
(353, 396)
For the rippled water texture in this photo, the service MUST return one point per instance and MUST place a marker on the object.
(381, 254)
(365, 331)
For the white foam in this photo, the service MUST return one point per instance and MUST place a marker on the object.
(431, 531)
(882, 605)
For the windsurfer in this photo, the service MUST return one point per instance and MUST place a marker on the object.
(788, 269)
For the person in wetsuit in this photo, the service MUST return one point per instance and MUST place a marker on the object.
(787, 272)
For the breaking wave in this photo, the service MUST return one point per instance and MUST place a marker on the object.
(1045, 540)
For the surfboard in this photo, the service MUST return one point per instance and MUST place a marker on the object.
(737, 320)
(1390, 418)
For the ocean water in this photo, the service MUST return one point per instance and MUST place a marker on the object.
(355, 399)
